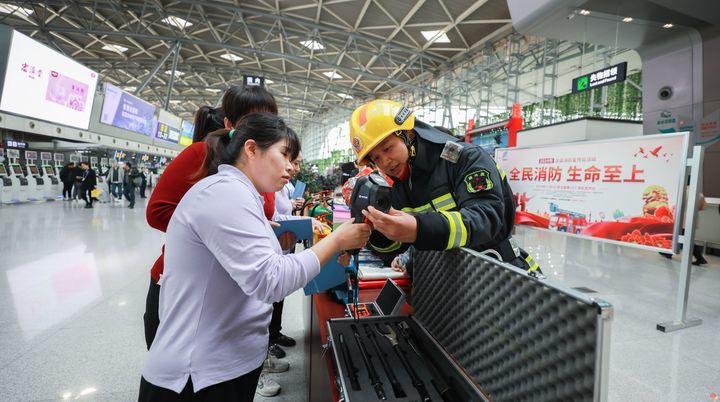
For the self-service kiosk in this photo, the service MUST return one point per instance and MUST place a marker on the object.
(59, 164)
(7, 190)
(17, 177)
(36, 183)
(53, 187)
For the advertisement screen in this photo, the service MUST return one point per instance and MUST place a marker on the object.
(17, 170)
(2, 170)
(186, 133)
(169, 127)
(44, 84)
(125, 111)
(626, 190)
(49, 171)
(34, 170)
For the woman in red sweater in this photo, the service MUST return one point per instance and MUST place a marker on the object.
(183, 172)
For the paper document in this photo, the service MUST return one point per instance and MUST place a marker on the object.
(299, 190)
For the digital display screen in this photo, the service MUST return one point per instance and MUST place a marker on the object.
(186, 133)
(44, 84)
(17, 170)
(49, 170)
(2, 170)
(34, 170)
(169, 127)
(389, 297)
(128, 112)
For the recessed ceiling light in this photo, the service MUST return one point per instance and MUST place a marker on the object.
(130, 89)
(435, 36)
(10, 9)
(177, 22)
(303, 111)
(668, 26)
(584, 12)
(231, 57)
(213, 90)
(627, 19)
(175, 101)
(177, 73)
(332, 74)
(269, 81)
(115, 48)
(344, 96)
(312, 44)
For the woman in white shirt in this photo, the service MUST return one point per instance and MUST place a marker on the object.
(224, 268)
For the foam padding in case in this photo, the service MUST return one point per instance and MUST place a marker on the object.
(518, 338)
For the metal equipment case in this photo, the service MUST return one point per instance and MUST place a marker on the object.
(492, 333)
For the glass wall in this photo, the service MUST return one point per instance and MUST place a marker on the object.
(534, 72)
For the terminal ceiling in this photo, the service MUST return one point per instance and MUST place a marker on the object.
(315, 55)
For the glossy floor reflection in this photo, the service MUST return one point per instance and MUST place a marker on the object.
(72, 293)
(73, 284)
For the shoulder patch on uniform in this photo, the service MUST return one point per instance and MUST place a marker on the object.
(478, 181)
(451, 151)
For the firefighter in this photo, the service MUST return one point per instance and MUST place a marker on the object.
(446, 194)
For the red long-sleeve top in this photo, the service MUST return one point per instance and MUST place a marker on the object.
(175, 181)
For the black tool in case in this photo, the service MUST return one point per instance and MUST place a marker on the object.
(410, 365)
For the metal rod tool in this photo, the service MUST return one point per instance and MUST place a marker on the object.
(438, 381)
(414, 377)
(352, 370)
(374, 378)
(397, 388)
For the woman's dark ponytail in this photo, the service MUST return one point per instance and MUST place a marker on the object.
(265, 129)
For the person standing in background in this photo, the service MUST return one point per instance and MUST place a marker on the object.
(129, 183)
(283, 206)
(87, 184)
(67, 180)
(143, 182)
(115, 180)
(77, 174)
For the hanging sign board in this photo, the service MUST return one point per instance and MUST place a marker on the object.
(626, 190)
(253, 81)
(600, 78)
(16, 144)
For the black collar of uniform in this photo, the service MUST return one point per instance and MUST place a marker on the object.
(426, 155)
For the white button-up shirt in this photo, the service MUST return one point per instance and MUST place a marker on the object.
(223, 269)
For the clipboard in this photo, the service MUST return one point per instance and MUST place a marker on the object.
(301, 228)
(299, 190)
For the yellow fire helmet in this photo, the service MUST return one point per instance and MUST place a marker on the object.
(374, 121)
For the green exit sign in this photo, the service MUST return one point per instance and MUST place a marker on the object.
(600, 78)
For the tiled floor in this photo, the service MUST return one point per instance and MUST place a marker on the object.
(73, 284)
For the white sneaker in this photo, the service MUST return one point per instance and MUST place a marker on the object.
(267, 386)
(274, 365)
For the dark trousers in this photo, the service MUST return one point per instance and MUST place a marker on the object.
(67, 190)
(241, 389)
(151, 318)
(85, 192)
(76, 190)
(276, 320)
(142, 189)
(130, 194)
